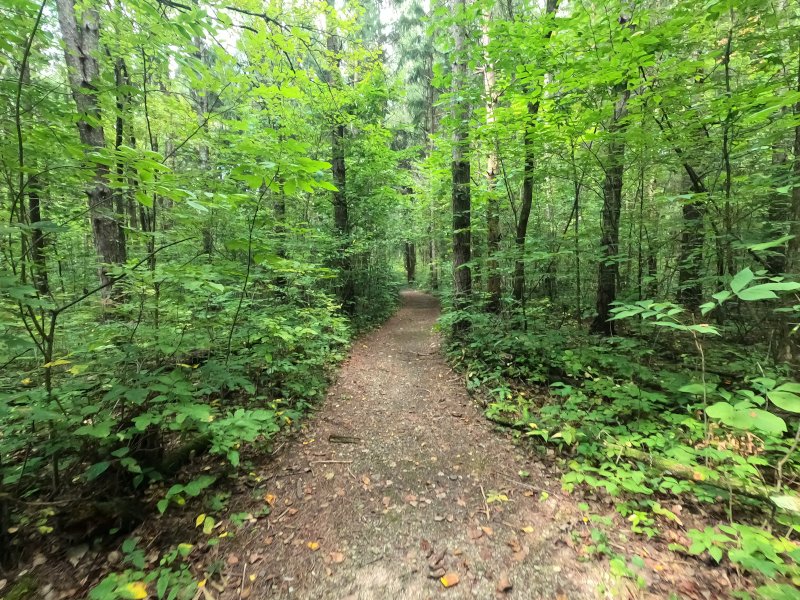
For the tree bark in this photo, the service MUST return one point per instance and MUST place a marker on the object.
(493, 279)
(410, 260)
(37, 241)
(690, 262)
(461, 199)
(81, 46)
(341, 217)
(793, 247)
(527, 184)
(525, 208)
(608, 269)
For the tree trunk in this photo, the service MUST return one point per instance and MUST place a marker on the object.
(410, 261)
(493, 280)
(525, 208)
(37, 241)
(776, 213)
(527, 185)
(690, 262)
(608, 269)
(461, 199)
(341, 218)
(793, 247)
(81, 42)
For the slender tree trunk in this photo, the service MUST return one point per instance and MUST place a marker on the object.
(690, 261)
(341, 216)
(410, 259)
(461, 199)
(430, 97)
(525, 207)
(81, 42)
(608, 269)
(493, 279)
(793, 248)
(527, 185)
(776, 214)
(34, 215)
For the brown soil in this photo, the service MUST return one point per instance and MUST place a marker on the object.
(423, 486)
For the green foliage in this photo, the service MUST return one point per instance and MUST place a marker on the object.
(217, 321)
(643, 430)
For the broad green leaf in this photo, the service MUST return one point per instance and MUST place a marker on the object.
(97, 469)
(757, 292)
(741, 279)
(785, 400)
(790, 503)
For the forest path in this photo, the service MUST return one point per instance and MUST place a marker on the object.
(414, 498)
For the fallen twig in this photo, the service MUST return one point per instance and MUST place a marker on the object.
(485, 504)
(520, 483)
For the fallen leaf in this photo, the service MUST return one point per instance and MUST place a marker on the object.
(387, 501)
(365, 480)
(450, 580)
(136, 590)
(426, 547)
(503, 584)
(437, 559)
(313, 546)
(233, 560)
(475, 534)
(76, 553)
(488, 531)
(336, 557)
(527, 529)
(270, 499)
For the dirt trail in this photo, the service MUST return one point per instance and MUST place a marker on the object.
(429, 487)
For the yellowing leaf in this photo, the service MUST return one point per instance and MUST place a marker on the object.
(199, 520)
(136, 590)
(208, 525)
(202, 583)
(26, 381)
(450, 580)
(313, 546)
(57, 363)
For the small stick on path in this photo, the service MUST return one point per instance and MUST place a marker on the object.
(485, 504)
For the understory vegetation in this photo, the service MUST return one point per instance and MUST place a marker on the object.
(182, 261)
(622, 182)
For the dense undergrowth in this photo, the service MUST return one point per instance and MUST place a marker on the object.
(668, 414)
(95, 440)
